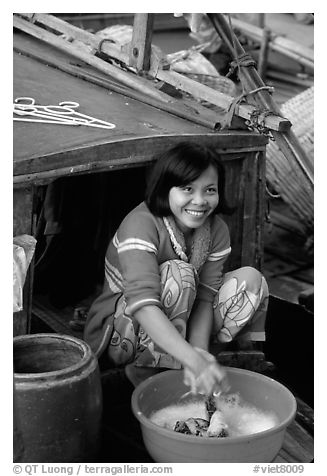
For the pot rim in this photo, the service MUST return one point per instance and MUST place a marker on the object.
(87, 355)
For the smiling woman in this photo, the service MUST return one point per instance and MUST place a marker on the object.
(165, 293)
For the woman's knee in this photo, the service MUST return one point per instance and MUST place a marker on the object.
(251, 276)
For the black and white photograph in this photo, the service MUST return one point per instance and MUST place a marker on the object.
(163, 241)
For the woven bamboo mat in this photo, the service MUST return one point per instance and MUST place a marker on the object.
(283, 174)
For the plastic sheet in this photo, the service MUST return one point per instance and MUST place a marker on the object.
(23, 250)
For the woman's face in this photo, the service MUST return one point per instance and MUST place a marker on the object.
(191, 204)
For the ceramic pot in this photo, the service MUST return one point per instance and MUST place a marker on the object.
(58, 398)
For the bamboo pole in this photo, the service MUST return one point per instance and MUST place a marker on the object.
(287, 141)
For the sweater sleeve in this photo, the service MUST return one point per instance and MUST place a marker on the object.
(137, 243)
(211, 274)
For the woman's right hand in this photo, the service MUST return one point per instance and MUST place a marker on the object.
(205, 376)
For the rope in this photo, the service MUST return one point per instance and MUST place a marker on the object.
(245, 59)
(256, 120)
(104, 40)
(239, 60)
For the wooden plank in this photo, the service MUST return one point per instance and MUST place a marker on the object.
(140, 48)
(245, 183)
(235, 193)
(305, 416)
(203, 92)
(297, 446)
(253, 219)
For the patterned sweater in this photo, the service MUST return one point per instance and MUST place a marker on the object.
(141, 244)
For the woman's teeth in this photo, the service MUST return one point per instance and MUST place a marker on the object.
(194, 213)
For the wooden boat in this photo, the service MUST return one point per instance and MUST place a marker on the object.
(108, 166)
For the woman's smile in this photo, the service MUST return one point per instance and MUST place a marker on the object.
(195, 213)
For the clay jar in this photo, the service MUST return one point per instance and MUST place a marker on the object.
(58, 398)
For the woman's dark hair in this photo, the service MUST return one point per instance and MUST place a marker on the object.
(177, 167)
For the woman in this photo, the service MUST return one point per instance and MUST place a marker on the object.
(165, 293)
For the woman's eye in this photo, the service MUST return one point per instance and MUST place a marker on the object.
(212, 190)
(187, 188)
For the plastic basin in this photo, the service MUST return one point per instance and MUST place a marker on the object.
(165, 445)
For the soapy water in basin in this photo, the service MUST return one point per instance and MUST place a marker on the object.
(240, 417)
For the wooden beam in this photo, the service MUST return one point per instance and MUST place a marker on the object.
(140, 48)
(121, 152)
(203, 92)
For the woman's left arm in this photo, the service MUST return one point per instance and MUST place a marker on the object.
(200, 324)
(201, 319)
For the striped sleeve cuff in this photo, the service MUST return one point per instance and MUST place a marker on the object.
(133, 244)
(219, 255)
